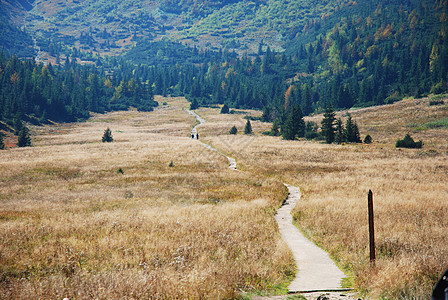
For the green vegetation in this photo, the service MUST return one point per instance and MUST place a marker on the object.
(107, 136)
(328, 122)
(248, 128)
(14, 40)
(443, 123)
(2, 142)
(24, 139)
(35, 92)
(340, 52)
(233, 130)
(408, 142)
(294, 125)
(368, 139)
(225, 109)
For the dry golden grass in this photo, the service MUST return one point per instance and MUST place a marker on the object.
(72, 226)
(410, 195)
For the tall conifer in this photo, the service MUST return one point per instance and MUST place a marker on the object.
(339, 136)
(248, 128)
(328, 129)
(24, 139)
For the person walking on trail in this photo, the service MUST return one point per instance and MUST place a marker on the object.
(192, 135)
(197, 136)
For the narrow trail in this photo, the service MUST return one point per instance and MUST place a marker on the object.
(317, 273)
(194, 131)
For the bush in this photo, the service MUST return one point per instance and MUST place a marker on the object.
(107, 136)
(368, 139)
(436, 102)
(234, 130)
(408, 142)
(225, 109)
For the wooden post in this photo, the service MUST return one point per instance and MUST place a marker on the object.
(371, 229)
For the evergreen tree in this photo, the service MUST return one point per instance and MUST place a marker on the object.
(275, 129)
(288, 129)
(2, 142)
(194, 104)
(233, 130)
(294, 125)
(327, 124)
(351, 131)
(107, 136)
(24, 139)
(266, 117)
(339, 137)
(298, 122)
(248, 128)
(356, 135)
(225, 109)
(17, 124)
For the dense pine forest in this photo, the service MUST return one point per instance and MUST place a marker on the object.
(38, 93)
(365, 53)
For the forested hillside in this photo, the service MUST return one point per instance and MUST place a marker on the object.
(39, 93)
(347, 53)
(12, 38)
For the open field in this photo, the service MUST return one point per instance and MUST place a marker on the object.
(72, 226)
(410, 195)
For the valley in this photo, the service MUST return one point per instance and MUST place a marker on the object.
(159, 149)
(74, 226)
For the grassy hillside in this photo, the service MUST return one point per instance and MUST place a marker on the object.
(409, 189)
(73, 226)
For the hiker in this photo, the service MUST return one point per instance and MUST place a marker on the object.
(192, 135)
(197, 136)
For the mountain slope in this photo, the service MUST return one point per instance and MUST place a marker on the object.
(113, 26)
(12, 38)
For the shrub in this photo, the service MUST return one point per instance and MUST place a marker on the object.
(436, 102)
(408, 142)
(368, 139)
(225, 109)
(107, 136)
(233, 130)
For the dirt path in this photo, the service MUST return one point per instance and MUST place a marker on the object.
(194, 132)
(318, 277)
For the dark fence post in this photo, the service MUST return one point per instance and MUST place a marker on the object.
(371, 229)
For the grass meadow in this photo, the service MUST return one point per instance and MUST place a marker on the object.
(410, 195)
(72, 225)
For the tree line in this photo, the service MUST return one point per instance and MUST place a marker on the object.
(36, 92)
